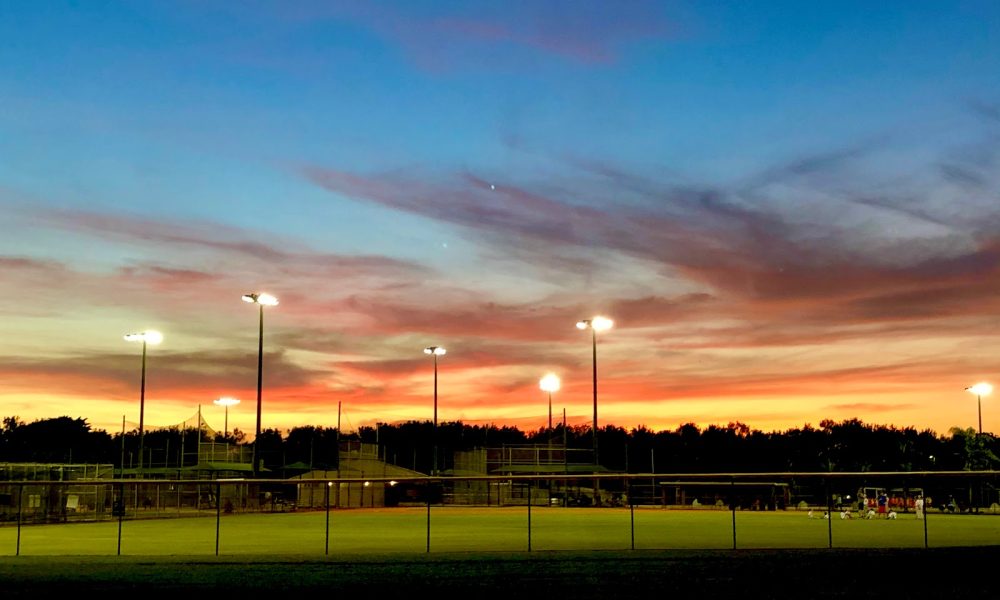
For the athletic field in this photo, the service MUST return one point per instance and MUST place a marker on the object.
(397, 531)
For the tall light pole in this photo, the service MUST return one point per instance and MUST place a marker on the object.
(435, 351)
(595, 324)
(146, 337)
(550, 383)
(227, 402)
(980, 389)
(261, 300)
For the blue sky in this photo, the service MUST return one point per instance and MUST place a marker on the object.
(510, 161)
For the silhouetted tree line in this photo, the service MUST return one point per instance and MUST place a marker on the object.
(849, 445)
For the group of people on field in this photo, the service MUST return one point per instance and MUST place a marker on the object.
(879, 507)
(885, 506)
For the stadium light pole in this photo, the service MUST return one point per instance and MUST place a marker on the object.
(980, 389)
(261, 300)
(146, 337)
(550, 383)
(227, 402)
(595, 324)
(435, 351)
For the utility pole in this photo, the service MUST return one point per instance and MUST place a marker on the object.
(121, 472)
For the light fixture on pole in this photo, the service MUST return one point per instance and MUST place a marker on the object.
(261, 300)
(227, 402)
(595, 324)
(146, 337)
(435, 351)
(550, 383)
(980, 389)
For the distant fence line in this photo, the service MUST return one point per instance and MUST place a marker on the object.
(93, 499)
(27, 503)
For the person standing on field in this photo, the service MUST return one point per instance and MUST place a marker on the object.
(883, 502)
(918, 507)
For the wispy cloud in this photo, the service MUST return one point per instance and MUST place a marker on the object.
(215, 236)
(869, 408)
(450, 37)
(581, 31)
(750, 255)
(177, 377)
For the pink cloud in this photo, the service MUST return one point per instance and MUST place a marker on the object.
(753, 263)
(215, 236)
(583, 32)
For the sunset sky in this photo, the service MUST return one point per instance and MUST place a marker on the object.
(790, 210)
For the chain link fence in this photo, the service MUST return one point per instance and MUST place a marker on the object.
(709, 510)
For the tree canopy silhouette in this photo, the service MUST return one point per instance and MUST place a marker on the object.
(848, 445)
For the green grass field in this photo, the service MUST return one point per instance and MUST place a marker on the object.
(577, 554)
(476, 530)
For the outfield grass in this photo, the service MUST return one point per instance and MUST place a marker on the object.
(460, 529)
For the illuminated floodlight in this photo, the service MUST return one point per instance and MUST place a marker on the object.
(261, 298)
(550, 383)
(601, 323)
(226, 401)
(594, 324)
(435, 351)
(980, 389)
(147, 338)
(150, 337)
(597, 324)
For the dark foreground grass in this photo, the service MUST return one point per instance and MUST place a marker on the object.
(937, 573)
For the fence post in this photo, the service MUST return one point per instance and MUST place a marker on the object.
(20, 505)
(631, 509)
(326, 548)
(829, 515)
(732, 507)
(529, 516)
(121, 513)
(428, 492)
(218, 514)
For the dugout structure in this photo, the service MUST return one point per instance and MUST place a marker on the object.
(726, 495)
